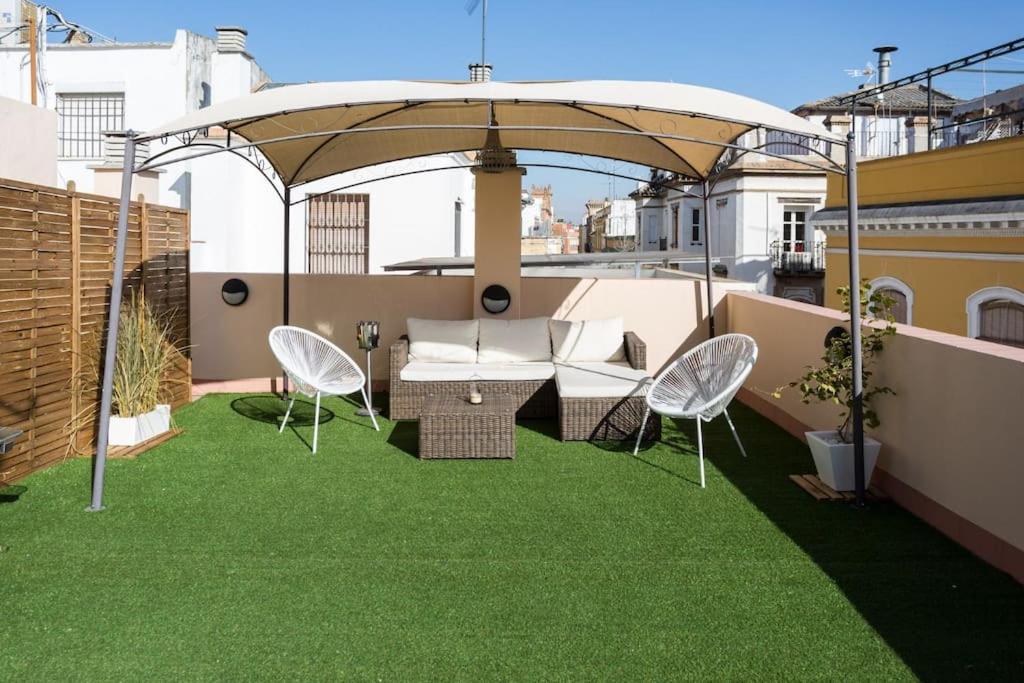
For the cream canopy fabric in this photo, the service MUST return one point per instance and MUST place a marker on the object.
(315, 130)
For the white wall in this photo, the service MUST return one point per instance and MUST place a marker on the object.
(744, 226)
(410, 217)
(530, 215)
(28, 143)
(236, 216)
(151, 75)
(621, 219)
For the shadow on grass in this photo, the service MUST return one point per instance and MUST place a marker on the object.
(11, 493)
(948, 615)
(682, 440)
(405, 437)
(545, 426)
(271, 409)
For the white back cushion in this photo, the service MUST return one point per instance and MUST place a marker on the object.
(587, 340)
(442, 341)
(514, 341)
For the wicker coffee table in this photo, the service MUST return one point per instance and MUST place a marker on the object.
(452, 427)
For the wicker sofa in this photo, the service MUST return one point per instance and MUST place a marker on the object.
(542, 389)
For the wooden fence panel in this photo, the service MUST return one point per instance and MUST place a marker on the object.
(56, 267)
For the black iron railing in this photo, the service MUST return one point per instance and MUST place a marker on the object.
(794, 258)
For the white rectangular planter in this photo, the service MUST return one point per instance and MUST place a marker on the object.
(129, 431)
(834, 459)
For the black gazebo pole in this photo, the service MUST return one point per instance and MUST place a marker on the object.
(286, 279)
(855, 313)
(706, 187)
(113, 322)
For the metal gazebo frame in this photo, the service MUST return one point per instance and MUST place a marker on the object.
(730, 152)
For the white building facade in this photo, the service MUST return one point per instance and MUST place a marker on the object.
(760, 208)
(237, 218)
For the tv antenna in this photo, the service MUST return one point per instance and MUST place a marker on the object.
(867, 72)
(471, 6)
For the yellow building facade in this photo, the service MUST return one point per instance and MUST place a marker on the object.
(943, 233)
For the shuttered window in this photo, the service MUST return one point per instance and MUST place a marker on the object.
(900, 306)
(338, 240)
(1002, 321)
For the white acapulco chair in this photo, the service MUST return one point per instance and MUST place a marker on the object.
(317, 368)
(700, 384)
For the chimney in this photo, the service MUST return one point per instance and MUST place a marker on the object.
(231, 39)
(884, 62)
(480, 73)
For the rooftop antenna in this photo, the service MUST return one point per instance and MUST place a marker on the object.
(471, 6)
(867, 72)
(482, 71)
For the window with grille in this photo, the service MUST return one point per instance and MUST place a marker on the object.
(82, 118)
(695, 226)
(338, 234)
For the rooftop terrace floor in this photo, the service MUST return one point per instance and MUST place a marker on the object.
(231, 552)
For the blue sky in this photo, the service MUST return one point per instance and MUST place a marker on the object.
(783, 52)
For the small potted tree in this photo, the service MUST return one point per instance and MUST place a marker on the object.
(832, 382)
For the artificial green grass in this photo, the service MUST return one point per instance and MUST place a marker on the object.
(232, 553)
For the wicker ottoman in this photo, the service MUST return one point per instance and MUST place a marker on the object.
(451, 427)
(602, 402)
(605, 419)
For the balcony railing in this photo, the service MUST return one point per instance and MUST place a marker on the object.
(981, 129)
(881, 143)
(798, 258)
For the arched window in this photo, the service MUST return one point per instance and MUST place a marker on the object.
(996, 314)
(901, 294)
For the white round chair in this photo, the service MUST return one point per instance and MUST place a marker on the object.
(700, 384)
(317, 368)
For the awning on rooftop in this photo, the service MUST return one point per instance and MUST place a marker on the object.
(316, 130)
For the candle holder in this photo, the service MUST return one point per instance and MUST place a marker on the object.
(475, 397)
(368, 338)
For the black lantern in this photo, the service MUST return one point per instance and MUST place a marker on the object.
(234, 292)
(495, 299)
(368, 338)
(368, 334)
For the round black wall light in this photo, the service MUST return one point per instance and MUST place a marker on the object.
(234, 292)
(495, 299)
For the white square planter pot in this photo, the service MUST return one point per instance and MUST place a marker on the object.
(834, 459)
(129, 431)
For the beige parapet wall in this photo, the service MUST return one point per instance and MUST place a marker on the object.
(230, 341)
(953, 435)
(28, 143)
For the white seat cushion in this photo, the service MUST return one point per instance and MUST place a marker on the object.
(587, 341)
(443, 341)
(514, 341)
(600, 380)
(417, 371)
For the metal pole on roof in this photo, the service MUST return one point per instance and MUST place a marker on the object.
(286, 280)
(113, 322)
(707, 258)
(929, 113)
(855, 314)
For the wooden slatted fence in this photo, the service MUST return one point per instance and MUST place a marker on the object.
(56, 266)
